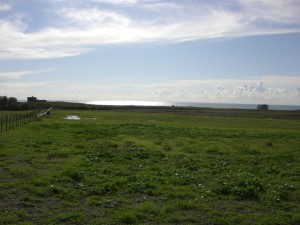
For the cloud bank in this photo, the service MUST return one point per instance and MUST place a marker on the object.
(77, 27)
(268, 89)
(19, 74)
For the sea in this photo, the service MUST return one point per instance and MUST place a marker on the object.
(190, 104)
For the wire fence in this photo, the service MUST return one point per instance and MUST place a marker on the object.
(11, 121)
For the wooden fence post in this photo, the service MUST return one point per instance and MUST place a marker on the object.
(9, 122)
(1, 122)
(12, 121)
(6, 121)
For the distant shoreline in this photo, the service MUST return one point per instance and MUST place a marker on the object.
(200, 109)
(154, 104)
(188, 104)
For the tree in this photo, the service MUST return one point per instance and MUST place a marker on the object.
(263, 107)
(3, 100)
(12, 102)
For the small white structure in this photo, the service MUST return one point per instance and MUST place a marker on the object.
(72, 117)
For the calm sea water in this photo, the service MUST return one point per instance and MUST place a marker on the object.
(191, 104)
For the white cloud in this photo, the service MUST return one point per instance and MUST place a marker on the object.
(95, 17)
(279, 11)
(18, 74)
(219, 90)
(257, 91)
(77, 27)
(281, 81)
(116, 1)
(297, 94)
(226, 91)
(249, 90)
(4, 7)
(41, 53)
(241, 91)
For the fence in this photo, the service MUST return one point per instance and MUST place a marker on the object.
(11, 121)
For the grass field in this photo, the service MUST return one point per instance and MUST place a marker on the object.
(121, 167)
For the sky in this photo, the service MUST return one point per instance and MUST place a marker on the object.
(218, 51)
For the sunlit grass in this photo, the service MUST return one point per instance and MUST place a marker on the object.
(150, 168)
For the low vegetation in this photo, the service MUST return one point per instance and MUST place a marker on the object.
(152, 167)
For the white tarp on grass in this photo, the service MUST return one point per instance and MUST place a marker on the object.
(72, 117)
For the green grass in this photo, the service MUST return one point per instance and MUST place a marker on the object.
(118, 167)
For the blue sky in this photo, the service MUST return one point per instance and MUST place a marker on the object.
(224, 51)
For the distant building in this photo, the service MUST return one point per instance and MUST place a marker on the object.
(31, 99)
(34, 100)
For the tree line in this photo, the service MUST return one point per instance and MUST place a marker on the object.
(12, 103)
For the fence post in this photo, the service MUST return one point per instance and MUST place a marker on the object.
(9, 122)
(1, 121)
(12, 121)
(6, 121)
